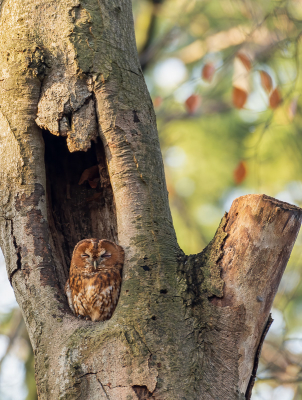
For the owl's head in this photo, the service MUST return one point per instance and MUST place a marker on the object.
(94, 254)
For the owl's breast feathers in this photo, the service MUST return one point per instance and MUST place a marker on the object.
(94, 293)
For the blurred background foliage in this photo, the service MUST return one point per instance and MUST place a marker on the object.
(225, 79)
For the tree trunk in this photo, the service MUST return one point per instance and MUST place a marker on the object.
(73, 96)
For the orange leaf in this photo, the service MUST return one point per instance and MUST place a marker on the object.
(192, 103)
(240, 172)
(90, 174)
(94, 182)
(157, 101)
(239, 97)
(266, 81)
(245, 60)
(275, 98)
(208, 72)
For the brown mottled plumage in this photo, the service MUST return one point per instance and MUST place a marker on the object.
(95, 278)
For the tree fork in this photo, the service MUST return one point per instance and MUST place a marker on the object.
(185, 327)
(234, 280)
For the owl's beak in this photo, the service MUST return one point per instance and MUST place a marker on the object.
(95, 264)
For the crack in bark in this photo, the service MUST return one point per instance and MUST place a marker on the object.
(129, 70)
(103, 386)
(18, 253)
(95, 373)
(248, 393)
(106, 394)
(88, 373)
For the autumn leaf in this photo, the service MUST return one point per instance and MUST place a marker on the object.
(192, 103)
(93, 182)
(240, 172)
(245, 60)
(239, 97)
(157, 101)
(266, 81)
(91, 175)
(275, 98)
(208, 72)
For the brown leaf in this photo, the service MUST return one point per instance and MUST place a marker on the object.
(90, 174)
(94, 182)
(192, 103)
(245, 60)
(239, 97)
(157, 101)
(208, 72)
(275, 98)
(240, 172)
(266, 81)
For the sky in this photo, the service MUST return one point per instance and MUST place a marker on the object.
(12, 371)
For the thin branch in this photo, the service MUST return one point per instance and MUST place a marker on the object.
(151, 33)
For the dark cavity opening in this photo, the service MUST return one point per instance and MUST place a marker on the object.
(142, 392)
(75, 211)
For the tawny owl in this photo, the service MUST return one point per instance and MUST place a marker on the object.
(95, 278)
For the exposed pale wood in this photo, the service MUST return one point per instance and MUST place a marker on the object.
(261, 233)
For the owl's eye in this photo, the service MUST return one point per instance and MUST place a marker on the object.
(85, 255)
(106, 255)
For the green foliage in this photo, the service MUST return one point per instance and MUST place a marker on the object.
(203, 144)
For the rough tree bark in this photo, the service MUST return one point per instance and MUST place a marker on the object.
(72, 95)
